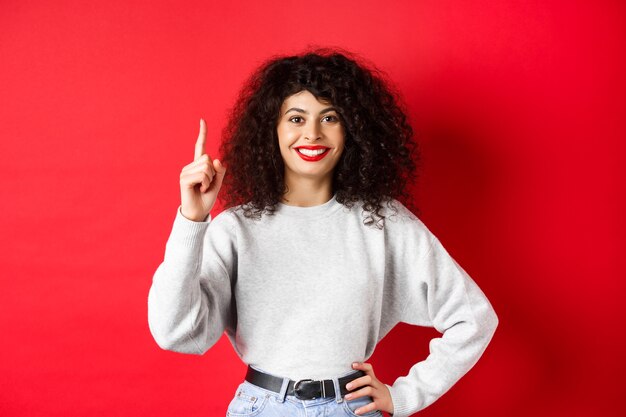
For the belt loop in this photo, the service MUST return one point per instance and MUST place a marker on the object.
(338, 396)
(283, 390)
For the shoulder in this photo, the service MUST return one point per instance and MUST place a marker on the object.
(227, 218)
(397, 212)
(223, 230)
(401, 224)
(398, 215)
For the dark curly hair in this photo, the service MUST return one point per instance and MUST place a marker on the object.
(380, 156)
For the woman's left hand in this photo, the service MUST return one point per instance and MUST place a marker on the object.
(372, 387)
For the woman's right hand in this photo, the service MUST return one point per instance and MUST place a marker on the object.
(200, 181)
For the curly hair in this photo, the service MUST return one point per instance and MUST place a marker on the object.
(380, 156)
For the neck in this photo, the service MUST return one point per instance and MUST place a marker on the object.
(307, 193)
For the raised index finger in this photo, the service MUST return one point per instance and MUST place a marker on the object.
(201, 141)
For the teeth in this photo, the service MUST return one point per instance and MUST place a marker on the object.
(311, 152)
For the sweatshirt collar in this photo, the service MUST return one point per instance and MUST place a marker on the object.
(320, 210)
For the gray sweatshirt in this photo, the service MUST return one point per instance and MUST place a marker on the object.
(307, 291)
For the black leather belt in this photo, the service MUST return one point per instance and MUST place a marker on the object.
(304, 389)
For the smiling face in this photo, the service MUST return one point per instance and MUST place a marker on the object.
(310, 137)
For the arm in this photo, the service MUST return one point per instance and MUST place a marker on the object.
(189, 303)
(440, 293)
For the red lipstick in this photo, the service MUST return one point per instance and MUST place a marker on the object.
(312, 158)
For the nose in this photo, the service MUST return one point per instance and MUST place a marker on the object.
(312, 132)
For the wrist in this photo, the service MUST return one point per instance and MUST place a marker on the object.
(197, 219)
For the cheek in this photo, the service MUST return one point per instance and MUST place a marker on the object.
(340, 151)
(341, 142)
(285, 137)
(284, 143)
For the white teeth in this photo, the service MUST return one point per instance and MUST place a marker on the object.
(311, 152)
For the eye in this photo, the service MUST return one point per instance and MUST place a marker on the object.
(295, 119)
(330, 118)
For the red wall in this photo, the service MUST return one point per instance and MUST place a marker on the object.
(520, 109)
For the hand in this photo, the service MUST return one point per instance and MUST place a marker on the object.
(372, 387)
(200, 181)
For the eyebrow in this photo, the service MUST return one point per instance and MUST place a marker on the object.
(326, 110)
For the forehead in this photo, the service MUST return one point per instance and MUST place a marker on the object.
(303, 99)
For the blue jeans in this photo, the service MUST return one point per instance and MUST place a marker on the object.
(253, 401)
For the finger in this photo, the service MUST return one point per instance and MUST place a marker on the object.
(364, 366)
(208, 177)
(359, 382)
(201, 166)
(368, 390)
(220, 171)
(206, 183)
(201, 140)
(202, 160)
(366, 408)
(191, 180)
(205, 167)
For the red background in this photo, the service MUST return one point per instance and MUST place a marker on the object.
(520, 110)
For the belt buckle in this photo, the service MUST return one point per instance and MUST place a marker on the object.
(297, 393)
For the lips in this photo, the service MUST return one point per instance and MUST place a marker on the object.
(312, 153)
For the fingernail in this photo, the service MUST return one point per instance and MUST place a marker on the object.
(348, 396)
(349, 386)
(355, 364)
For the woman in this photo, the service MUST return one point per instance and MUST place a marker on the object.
(314, 259)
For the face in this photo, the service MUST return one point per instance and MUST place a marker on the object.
(310, 137)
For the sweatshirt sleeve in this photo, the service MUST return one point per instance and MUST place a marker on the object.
(440, 294)
(189, 302)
